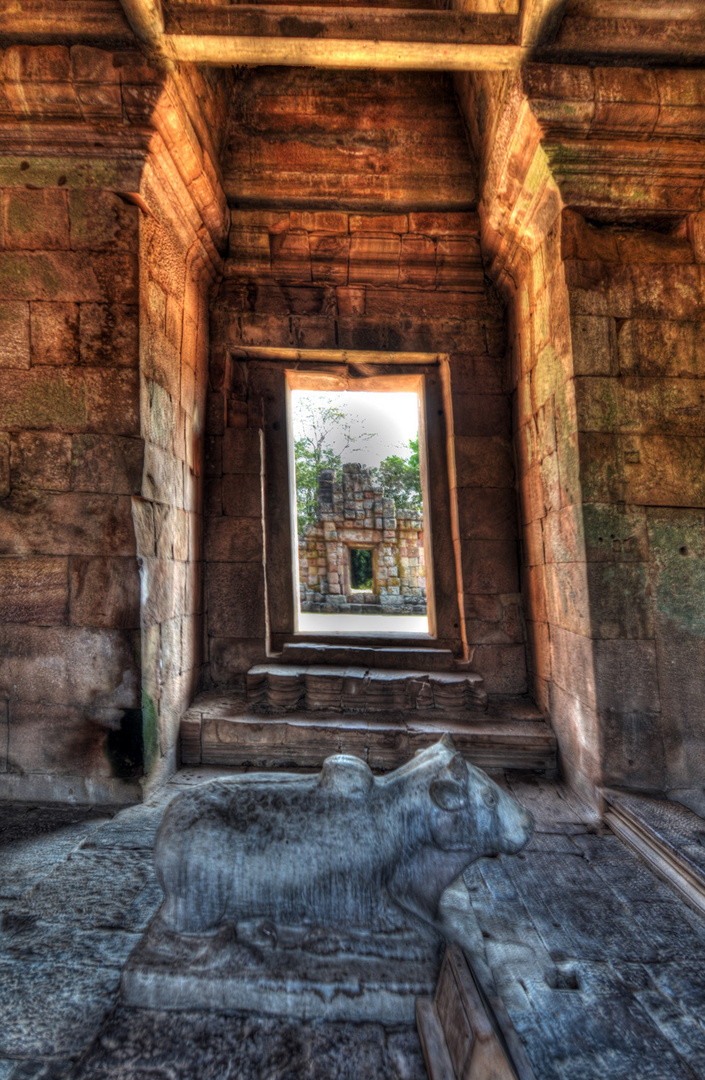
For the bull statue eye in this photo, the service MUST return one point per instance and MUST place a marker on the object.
(489, 796)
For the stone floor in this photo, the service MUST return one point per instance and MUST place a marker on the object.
(600, 966)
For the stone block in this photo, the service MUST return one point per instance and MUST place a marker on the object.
(66, 524)
(54, 333)
(231, 539)
(503, 668)
(568, 597)
(660, 347)
(445, 224)
(487, 513)
(483, 461)
(490, 566)
(14, 335)
(486, 415)
(231, 658)
(4, 464)
(615, 533)
(108, 335)
(51, 738)
(112, 402)
(143, 519)
(594, 345)
(572, 667)
(165, 590)
(663, 470)
(242, 495)
(351, 301)
(374, 260)
(242, 451)
(43, 398)
(418, 261)
(102, 221)
(623, 737)
(41, 460)
(600, 469)
(379, 223)
(106, 463)
(35, 219)
(620, 606)
(291, 256)
(319, 221)
(459, 263)
(34, 590)
(538, 635)
(163, 476)
(69, 276)
(563, 536)
(94, 670)
(329, 258)
(534, 591)
(533, 553)
(104, 592)
(626, 676)
(235, 599)
(506, 630)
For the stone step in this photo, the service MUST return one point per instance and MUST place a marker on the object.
(306, 652)
(668, 837)
(222, 730)
(348, 688)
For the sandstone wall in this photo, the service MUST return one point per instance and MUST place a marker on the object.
(80, 314)
(637, 302)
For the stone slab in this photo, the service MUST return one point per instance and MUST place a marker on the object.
(299, 972)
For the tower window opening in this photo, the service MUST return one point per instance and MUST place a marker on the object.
(361, 568)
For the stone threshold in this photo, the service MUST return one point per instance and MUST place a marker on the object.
(354, 688)
(221, 729)
(668, 837)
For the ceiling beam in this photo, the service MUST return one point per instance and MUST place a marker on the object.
(341, 53)
(146, 19)
(345, 23)
(386, 39)
(540, 20)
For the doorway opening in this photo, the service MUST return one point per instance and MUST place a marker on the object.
(362, 538)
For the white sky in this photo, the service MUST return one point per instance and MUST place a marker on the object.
(393, 418)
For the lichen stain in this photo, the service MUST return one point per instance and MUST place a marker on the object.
(49, 402)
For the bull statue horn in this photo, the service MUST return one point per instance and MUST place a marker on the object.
(447, 741)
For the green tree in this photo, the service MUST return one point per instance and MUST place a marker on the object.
(401, 479)
(320, 428)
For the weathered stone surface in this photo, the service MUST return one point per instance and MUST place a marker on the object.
(14, 335)
(66, 524)
(54, 333)
(235, 593)
(134, 1043)
(33, 590)
(104, 463)
(104, 592)
(94, 669)
(109, 335)
(41, 459)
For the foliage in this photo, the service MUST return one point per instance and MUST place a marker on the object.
(323, 427)
(313, 451)
(401, 479)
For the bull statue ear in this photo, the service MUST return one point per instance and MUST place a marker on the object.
(448, 795)
(447, 741)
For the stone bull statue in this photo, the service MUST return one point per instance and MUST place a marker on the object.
(328, 849)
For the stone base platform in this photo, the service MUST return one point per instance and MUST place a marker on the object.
(297, 972)
(221, 729)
